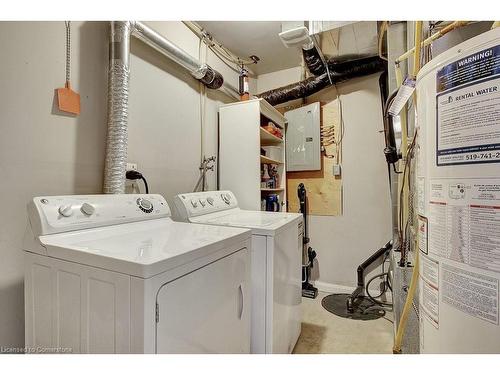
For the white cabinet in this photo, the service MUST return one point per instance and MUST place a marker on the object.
(242, 134)
(219, 318)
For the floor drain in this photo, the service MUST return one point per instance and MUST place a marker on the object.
(364, 308)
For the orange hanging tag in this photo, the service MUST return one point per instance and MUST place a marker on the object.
(68, 100)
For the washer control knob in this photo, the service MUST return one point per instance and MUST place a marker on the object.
(87, 209)
(66, 210)
(194, 203)
(210, 201)
(202, 202)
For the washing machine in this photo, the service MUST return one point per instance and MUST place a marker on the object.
(115, 274)
(276, 259)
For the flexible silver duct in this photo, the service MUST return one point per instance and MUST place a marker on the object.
(118, 88)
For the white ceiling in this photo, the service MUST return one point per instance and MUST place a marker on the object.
(260, 38)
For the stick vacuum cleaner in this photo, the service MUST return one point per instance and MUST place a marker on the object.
(308, 254)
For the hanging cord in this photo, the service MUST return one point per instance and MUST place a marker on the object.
(68, 50)
(381, 33)
(136, 175)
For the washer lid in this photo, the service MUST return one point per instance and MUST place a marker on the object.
(261, 222)
(142, 249)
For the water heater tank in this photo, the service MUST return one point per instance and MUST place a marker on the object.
(458, 199)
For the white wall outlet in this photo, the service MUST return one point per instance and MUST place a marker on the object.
(337, 170)
(131, 166)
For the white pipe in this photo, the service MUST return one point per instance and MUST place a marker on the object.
(155, 40)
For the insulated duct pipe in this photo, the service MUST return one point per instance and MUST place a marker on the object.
(338, 71)
(118, 88)
(314, 60)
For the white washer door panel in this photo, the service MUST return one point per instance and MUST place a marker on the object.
(207, 310)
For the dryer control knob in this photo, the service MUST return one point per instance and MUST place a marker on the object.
(87, 209)
(210, 201)
(224, 198)
(194, 203)
(66, 210)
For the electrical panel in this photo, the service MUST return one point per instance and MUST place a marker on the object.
(303, 138)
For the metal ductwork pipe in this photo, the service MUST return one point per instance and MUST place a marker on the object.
(338, 71)
(118, 89)
(202, 72)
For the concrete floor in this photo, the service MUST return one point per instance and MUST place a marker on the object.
(324, 332)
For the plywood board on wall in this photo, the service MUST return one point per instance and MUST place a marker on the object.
(324, 190)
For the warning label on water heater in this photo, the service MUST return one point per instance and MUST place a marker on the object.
(468, 110)
(464, 221)
(430, 290)
(471, 293)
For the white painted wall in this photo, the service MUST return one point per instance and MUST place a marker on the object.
(343, 242)
(42, 153)
(279, 78)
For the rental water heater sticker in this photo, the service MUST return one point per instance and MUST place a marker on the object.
(404, 93)
(430, 290)
(464, 221)
(468, 110)
(470, 292)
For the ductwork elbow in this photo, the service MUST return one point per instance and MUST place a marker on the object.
(210, 77)
(313, 60)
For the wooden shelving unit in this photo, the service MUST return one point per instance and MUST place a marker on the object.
(267, 190)
(241, 138)
(268, 139)
(266, 160)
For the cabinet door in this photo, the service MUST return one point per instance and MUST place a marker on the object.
(207, 310)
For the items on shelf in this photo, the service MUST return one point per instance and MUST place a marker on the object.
(273, 152)
(269, 176)
(273, 129)
(273, 203)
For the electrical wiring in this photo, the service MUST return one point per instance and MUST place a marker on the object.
(219, 50)
(338, 142)
(327, 135)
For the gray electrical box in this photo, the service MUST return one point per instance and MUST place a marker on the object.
(303, 138)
